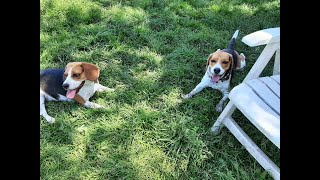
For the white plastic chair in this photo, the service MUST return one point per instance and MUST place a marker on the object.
(258, 98)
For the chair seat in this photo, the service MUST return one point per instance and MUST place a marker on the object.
(259, 100)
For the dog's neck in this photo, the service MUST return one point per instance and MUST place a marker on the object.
(84, 82)
(226, 75)
(81, 85)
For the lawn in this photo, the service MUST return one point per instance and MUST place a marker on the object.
(151, 52)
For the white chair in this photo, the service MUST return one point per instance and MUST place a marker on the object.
(258, 98)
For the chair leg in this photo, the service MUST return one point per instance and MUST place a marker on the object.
(227, 112)
(252, 148)
(276, 66)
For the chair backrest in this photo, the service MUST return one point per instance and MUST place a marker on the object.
(270, 37)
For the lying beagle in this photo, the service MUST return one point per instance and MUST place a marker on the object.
(78, 82)
(220, 67)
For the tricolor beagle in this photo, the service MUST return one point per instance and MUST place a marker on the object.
(219, 71)
(78, 81)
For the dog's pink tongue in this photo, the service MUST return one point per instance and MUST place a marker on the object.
(71, 93)
(215, 78)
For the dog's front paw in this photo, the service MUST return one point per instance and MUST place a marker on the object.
(50, 119)
(106, 89)
(94, 105)
(89, 104)
(186, 96)
(110, 90)
(98, 106)
(219, 107)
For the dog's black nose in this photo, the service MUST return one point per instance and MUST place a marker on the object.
(65, 86)
(216, 70)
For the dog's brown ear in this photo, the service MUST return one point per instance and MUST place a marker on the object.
(230, 56)
(91, 71)
(68, 65)
(67, 68)
(210, 56)
(231, 60)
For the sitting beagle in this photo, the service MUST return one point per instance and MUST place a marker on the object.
(78, 82)
(220, 67)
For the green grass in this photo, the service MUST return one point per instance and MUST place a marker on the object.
(150, 51)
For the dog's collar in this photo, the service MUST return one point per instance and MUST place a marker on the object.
(224, 76)
(81, 85)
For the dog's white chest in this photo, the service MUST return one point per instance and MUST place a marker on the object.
(219, 85)
(222, 86)
(87, 90)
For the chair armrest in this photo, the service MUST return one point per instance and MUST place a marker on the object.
(270, 37)
(262, 37)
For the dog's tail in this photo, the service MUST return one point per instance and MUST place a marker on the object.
(233, 40)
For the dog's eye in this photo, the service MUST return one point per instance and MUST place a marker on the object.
(213, 61)
(225, 62)
(65, 75)
(76, 75)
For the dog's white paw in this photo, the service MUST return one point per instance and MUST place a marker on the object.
(106, 89)
(94, 105)
(110, 90)
(186, 96)
(101, 90)
(98, 106)
(219, 107)
(50, 119)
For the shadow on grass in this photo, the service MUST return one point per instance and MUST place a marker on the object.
(152, 51)
(107, 149)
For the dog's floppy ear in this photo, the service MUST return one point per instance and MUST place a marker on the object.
(91, 71)
(209, 59)
(67, 68)
(68, 65)
(230, 56)
(232, 61)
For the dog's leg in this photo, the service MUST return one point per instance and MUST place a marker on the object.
(86, 103)
(219, 106)
(89, 104)
(241, 62)
(197, 89)
(43, 111)
(101, 88)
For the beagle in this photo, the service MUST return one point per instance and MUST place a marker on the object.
(78, 82)
(220, 67)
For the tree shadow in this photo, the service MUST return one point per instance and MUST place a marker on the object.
(148, 53)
